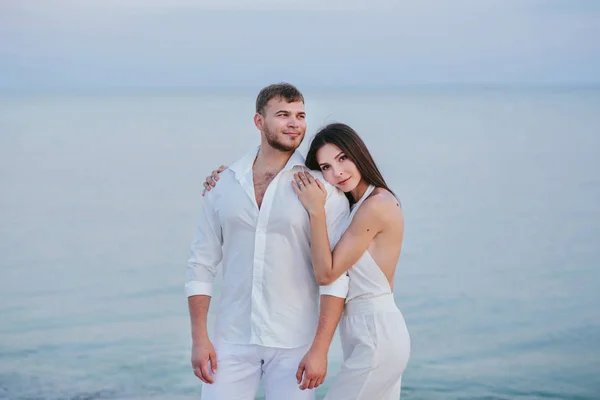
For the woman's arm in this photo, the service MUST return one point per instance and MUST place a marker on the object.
(369, 221)
(366, 224)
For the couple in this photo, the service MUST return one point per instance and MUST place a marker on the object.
(298, 253)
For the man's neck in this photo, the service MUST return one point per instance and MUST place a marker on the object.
(270, 160)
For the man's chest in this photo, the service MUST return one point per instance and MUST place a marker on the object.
(278, 210)
(261, 183)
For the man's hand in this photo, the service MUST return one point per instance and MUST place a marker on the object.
(314, 368)
(212, 179)
(202, 354)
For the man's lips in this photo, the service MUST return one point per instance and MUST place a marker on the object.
(292, 134)
(344, 181)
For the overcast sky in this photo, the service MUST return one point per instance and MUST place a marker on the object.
(187, 43)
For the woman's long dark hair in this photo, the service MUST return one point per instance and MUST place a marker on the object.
(355, 149)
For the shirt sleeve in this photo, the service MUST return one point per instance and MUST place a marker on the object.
(337, 211)
(206, 251)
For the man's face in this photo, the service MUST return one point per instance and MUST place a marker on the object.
(283, 124)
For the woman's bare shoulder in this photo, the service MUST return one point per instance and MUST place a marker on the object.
(383, 206)
(385, 196)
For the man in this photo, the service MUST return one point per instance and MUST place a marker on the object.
(254, 224)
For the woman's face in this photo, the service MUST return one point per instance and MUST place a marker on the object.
(337, 168)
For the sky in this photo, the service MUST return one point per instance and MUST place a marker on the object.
(235, 43)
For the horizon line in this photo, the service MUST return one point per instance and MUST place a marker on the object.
(110, 89)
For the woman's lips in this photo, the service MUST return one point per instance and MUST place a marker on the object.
(344, 181)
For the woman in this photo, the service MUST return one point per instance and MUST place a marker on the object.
(375, 340)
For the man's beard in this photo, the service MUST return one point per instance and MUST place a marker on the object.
(277, 145)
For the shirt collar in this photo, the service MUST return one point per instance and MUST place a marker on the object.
(297, 159)
(242, 166)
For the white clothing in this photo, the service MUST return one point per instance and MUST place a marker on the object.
(366, 278)
(269, 296)
(375, 340)
(240, 368)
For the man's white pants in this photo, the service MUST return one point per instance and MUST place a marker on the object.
(240, 368)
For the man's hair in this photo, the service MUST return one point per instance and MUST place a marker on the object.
(283, 90)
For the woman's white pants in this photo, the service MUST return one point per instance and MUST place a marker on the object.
(376, 347)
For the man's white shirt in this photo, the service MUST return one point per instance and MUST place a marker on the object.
(269, 295)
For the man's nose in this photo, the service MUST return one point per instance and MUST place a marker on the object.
(293, 121)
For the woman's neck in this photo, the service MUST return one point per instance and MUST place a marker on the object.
(359, 190)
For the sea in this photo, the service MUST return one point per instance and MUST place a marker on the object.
(499, 277)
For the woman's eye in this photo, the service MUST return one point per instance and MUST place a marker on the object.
(324, 167)
(343, 158)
